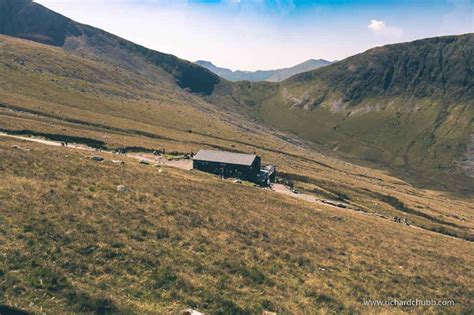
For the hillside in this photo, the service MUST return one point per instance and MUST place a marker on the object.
(406, 106)
(118, 236)
(29, 20)
(263, 75)
(181, 239)
(178, 239)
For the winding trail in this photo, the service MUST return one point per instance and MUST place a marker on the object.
(184, 164)
(158, 160)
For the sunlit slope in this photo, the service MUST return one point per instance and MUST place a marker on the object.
(177, 239)
(29, 20)
(47, 91)
(406, 105)
(72, 243)
(54, 82)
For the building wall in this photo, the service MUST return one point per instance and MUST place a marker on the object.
(229, 170)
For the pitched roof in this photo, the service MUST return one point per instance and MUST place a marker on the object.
(225, 157)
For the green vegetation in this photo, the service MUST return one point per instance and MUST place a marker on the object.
(405, 107)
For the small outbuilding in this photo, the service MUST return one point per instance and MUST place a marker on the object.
(236, 165)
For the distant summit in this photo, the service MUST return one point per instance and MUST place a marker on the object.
(264, 75)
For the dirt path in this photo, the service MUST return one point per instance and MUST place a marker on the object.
(181, 164)
(159, 160)
(48, 142)
(188, 165)
(285, 190)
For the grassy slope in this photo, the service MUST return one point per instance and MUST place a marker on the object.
(70, 242)
(29, 20)
(75, 96)
(406, 106)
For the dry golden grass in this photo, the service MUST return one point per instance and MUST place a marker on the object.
(71, 242)
(181, 238)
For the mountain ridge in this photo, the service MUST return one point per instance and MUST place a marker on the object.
(407, 105)
(29, 20)
(366, 107)
(128, 236)
(275, 75)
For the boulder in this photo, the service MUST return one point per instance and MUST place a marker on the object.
(97, 158)
(122, 188)
(191, 312)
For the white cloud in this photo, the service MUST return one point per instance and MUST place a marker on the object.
(377, 25)
(380, 28)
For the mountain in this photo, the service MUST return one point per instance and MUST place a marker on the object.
(264, 75)
(174, 239)
(29, 20)
(308, 65)
(236, 75)
(119, 236)
(408, 106)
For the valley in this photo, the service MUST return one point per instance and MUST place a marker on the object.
(276, 75)
(86, 230)
(144, 121)
(405, 107)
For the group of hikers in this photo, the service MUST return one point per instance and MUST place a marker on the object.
(400, 220)
(163, 152)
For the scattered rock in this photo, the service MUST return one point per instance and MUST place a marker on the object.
(97, 158)
(191, 312)
(15, 147)
(118, 162)
(122, 188)
(335, 204)
(144, 162)
(268, 313)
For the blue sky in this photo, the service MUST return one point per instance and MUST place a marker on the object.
(267, 34)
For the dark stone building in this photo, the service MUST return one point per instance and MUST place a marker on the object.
(236, 165)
